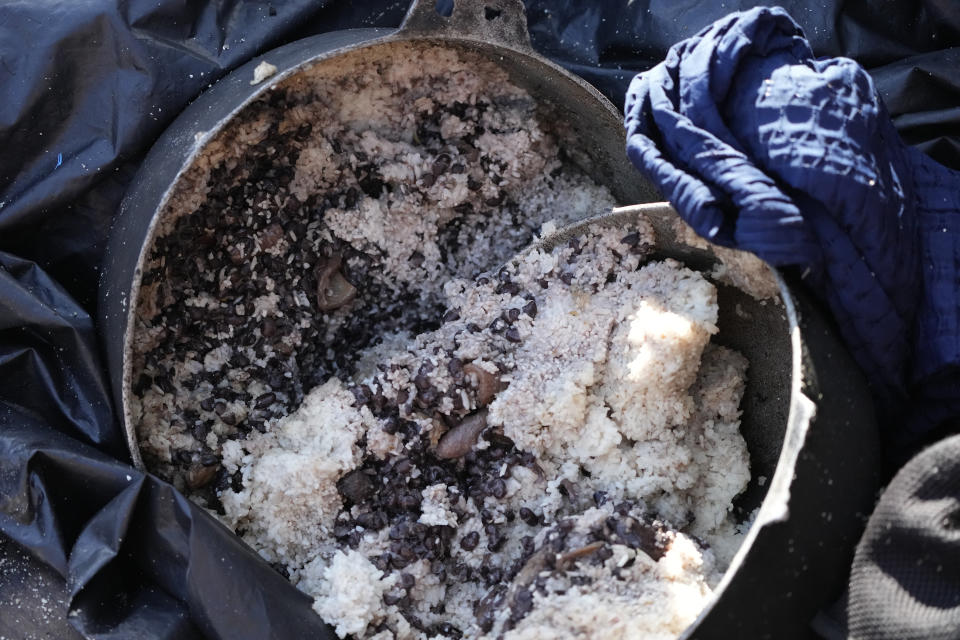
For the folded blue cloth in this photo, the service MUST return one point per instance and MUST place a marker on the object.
(762, 147)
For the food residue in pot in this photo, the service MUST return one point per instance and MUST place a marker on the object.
(426, 447)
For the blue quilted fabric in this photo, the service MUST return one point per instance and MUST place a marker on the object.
(760, 146)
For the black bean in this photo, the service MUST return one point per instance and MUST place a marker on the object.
(372, 183)
(448, 630)
(207, 403)
(611, 524)
(433, 474)
(641, 536)
(486, 608)
(513, 314)
(495, 541)
(390, 425)
(510, 288)
(268, 328)
(522, 604)
(427, 397)
(236, 482)
(455, 369)
(367, 520)
(470, 541)
(498, 488)
(410, 501)
(491, 575)
(531, 308)
(496, 200)
(631, 239)
(527, 545)
(529, 517)
(265, 400)
(603, 554)
(440, 165)
(164, 383)
(200, 430)
(361, 394)
(512, 334)
(557, 542)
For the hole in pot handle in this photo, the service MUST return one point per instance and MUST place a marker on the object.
(500, 22)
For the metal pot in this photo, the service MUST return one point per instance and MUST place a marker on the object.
(815, 443)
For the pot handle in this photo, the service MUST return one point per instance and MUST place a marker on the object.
(500, 22)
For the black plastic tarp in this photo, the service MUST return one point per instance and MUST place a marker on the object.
(87, 87)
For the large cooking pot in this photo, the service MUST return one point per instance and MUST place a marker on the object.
(807, 417)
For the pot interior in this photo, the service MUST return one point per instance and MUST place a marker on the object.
(591, 136)
(584, 127)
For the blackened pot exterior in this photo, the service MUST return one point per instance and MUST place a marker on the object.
(818, 445)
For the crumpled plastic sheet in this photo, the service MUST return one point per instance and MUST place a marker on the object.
(87, 88)
(139, 559)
